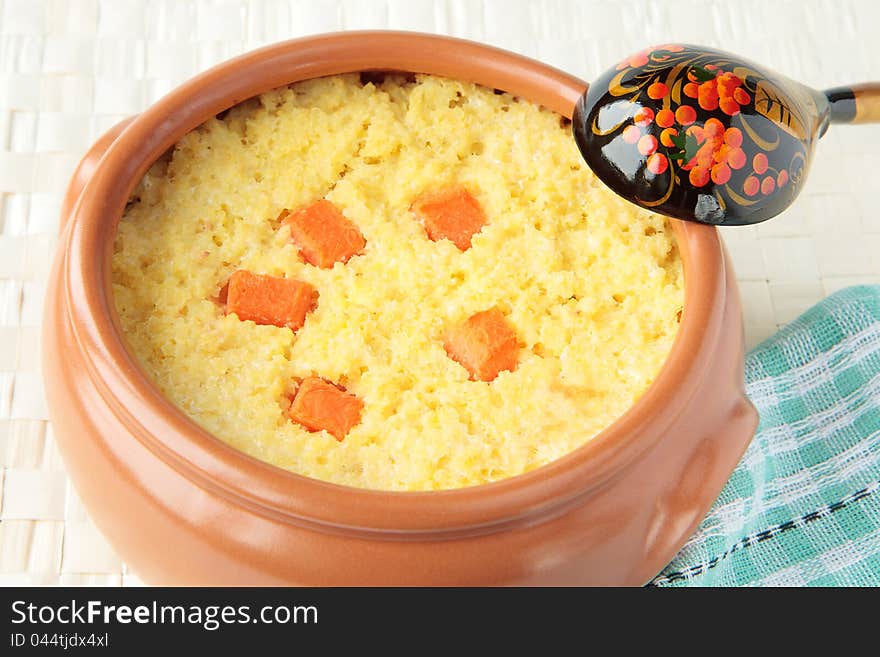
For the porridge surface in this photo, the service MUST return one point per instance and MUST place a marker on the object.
(591, 285)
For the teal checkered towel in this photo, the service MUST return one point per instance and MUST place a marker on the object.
(803, 506)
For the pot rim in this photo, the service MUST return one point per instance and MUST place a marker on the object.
(208, 461)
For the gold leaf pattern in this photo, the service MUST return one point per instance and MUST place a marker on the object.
(774, 104)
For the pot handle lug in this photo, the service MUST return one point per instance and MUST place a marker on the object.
(86, 167)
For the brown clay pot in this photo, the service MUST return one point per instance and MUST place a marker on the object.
(182, 507)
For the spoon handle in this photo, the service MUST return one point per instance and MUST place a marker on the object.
(857, 103)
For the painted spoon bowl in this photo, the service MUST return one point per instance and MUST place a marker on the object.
(702, 135)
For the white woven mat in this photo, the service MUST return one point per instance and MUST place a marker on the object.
(70, 69)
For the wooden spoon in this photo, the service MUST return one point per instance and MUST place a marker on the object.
(705, 136)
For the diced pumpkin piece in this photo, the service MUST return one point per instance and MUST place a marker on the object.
(485, 344)
(269, 299)
(450, 213)
(321, 405)
(323, 234)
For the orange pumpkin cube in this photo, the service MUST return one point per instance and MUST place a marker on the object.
(485, 344)
(269, 299)
(324, 235)
(450, 213)
(319, 405)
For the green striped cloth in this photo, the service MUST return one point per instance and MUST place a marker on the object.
(803, 506)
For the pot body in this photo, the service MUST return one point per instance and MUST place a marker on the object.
(608, 514)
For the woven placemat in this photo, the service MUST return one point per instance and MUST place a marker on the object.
(69, 69)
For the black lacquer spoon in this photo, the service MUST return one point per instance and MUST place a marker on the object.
(705, 136)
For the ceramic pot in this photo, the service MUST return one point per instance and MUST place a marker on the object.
(182, 507)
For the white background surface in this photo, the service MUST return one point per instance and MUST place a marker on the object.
(71, 68)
